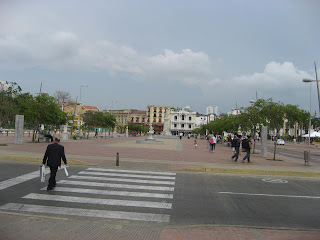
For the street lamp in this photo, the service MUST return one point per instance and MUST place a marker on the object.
(309, 81)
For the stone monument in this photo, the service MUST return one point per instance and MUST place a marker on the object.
(166, 130)
(65, 133)
(151, 131)
(127, 131)
(18, 135)
(150, 139)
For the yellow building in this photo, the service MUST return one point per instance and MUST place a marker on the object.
(156, 115)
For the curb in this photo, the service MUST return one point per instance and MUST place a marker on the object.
(248, 171)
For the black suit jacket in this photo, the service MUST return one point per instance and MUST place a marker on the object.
(54, 153)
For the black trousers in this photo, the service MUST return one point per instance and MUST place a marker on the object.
(236, 155)
(247, 156)
(52, 179)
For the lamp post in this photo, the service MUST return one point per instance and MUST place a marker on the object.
(309, 81)
(79, 125)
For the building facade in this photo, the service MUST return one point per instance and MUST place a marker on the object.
(155, 115)
(182, 120)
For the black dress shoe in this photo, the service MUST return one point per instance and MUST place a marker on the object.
(50, 188)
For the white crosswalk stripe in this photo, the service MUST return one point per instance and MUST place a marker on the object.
(86, 187)
(99, 184)
(130, 171)
(126, 175)
(123, 180)
(113, 193)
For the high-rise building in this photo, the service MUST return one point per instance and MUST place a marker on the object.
(209, 110)
(216, 109)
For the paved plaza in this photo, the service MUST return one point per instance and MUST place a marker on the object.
(173, 156)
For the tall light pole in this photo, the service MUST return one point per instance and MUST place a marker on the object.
(79, 125)
(317, 81)
(309, 81)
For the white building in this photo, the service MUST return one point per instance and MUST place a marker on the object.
(182, 120)
(202, 120)
(216, 109)
(209, 110)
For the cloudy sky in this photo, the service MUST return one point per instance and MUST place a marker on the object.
(134, 53)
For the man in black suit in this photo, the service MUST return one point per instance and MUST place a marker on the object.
(54, 153)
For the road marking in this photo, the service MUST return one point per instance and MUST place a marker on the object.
(270, 195)
(112, 202)
(126, 175)
(86, 212)
(114, 185)
(14, 181)
(122, 180)
(114, 193)
(131, 171)
(274, 180)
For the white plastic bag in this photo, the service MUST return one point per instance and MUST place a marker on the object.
(42, 173)
(65, 170)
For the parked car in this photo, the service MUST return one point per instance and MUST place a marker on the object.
(280, 142)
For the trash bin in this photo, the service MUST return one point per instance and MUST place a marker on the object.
(306, 157)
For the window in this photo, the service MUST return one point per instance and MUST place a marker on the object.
(189, 118)
(182, 117)
(132, 119)
(182, 125)
(155, 115)
(137, 119)
(189, 125)
(175, 125)
(159, 119)
(175, 118)
(154, 120)
(142, 119)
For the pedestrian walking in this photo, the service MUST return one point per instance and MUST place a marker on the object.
(214, 138)
(195, 144)
(211, 141)
(180, 135)
(96, 133)
(246, 144)
(235, 143)
(1, 130)
(52, 158)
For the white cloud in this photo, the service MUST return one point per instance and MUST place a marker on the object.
(276, 76)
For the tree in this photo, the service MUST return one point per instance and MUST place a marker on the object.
(98, 119)
(275, 113)
(8, 92)
(254, 116)
(62, 97)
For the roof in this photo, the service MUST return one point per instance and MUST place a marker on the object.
(139, 112)
(91, 108)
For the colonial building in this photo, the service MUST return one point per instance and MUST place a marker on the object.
(138, 117)
(155, 115)
(123, 117)
(182, 120)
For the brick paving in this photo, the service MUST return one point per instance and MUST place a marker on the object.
(174, 155)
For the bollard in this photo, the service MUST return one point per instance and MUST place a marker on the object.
(306, 157)
(117, 160)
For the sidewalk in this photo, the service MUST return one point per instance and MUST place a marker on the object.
(173, 155)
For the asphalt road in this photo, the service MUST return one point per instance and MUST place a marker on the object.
(196, 198)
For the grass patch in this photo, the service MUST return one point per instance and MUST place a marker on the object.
(3, 144)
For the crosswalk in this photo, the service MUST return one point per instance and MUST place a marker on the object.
(105, 193)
